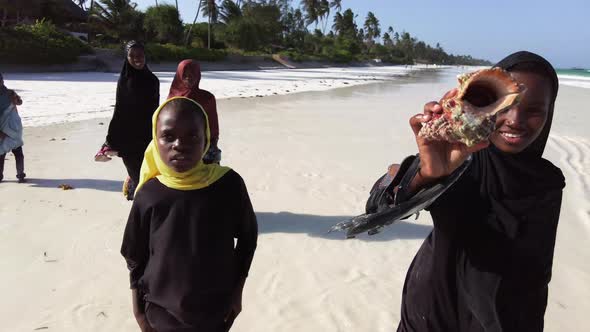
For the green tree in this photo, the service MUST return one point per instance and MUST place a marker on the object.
(118, 19)
(312, 11)
(200, 4)
(345, 25)
(229, 11)
(259, 27)
(336, 4)
(163, 24)
(323, 13)
(372, 29)
(294, 29)
(210, 10)
(387, 42)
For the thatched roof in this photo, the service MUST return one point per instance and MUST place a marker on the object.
(67, 9)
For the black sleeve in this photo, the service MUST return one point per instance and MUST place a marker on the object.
(524, 291)
(246, 232)
(116, 126)
(135, 247)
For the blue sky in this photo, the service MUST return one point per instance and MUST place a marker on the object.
(556, 29)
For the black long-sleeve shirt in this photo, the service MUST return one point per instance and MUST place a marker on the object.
(179, 245)
(487, 264)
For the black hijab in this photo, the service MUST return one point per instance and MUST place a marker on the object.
(135, 85)
(138, 96)
(523, 175)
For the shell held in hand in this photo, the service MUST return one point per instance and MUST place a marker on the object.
(469, 116)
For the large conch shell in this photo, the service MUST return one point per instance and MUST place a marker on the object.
(469, 116)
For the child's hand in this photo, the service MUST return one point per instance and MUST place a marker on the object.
(15, 98)
(143, 323)
(439, 158)
(235, 305)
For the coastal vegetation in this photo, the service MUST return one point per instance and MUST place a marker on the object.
(309, 30)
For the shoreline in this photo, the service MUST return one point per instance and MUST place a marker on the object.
(66, 97)
(109, 61)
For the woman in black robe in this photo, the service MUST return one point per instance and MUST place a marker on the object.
(138, 96)
(487, 263)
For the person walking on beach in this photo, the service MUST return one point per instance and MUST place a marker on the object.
(487, 263)
(186, 274)
(11, 131)
(138, 96)
(186, 84)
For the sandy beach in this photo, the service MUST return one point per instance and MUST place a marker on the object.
(308, 159)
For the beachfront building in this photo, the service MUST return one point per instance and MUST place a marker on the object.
(61, 12)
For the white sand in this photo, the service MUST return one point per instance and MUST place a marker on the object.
(66, 97)
(308, 160)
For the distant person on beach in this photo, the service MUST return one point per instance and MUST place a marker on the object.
(186, 84)
(186, 274)
(11, 131)
(138, 96)
(487, 263)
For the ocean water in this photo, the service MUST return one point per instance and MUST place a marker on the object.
(574, 77)
(574, 72)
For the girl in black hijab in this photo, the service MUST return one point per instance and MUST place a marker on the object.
(130, 130)
(487, 263)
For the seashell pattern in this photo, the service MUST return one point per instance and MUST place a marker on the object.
(469, 116)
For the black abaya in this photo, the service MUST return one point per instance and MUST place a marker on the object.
(130, 130)
(487, 263)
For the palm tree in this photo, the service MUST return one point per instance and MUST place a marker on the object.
(372, 29)
(311, 9)
(200, 4)
(344, 24)
(117, 17)
(338, 25)
(387, 40)
(229, 11)
(337, 4)
(324, 13)
(210, 10)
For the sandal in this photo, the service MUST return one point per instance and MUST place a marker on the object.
(105, 153)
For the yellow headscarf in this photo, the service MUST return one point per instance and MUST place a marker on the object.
(200, 176)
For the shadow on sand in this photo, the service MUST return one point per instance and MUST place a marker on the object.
(318, 226)
(103, 185)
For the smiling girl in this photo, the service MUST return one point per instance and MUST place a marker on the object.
(138, 96)
(487, 263)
